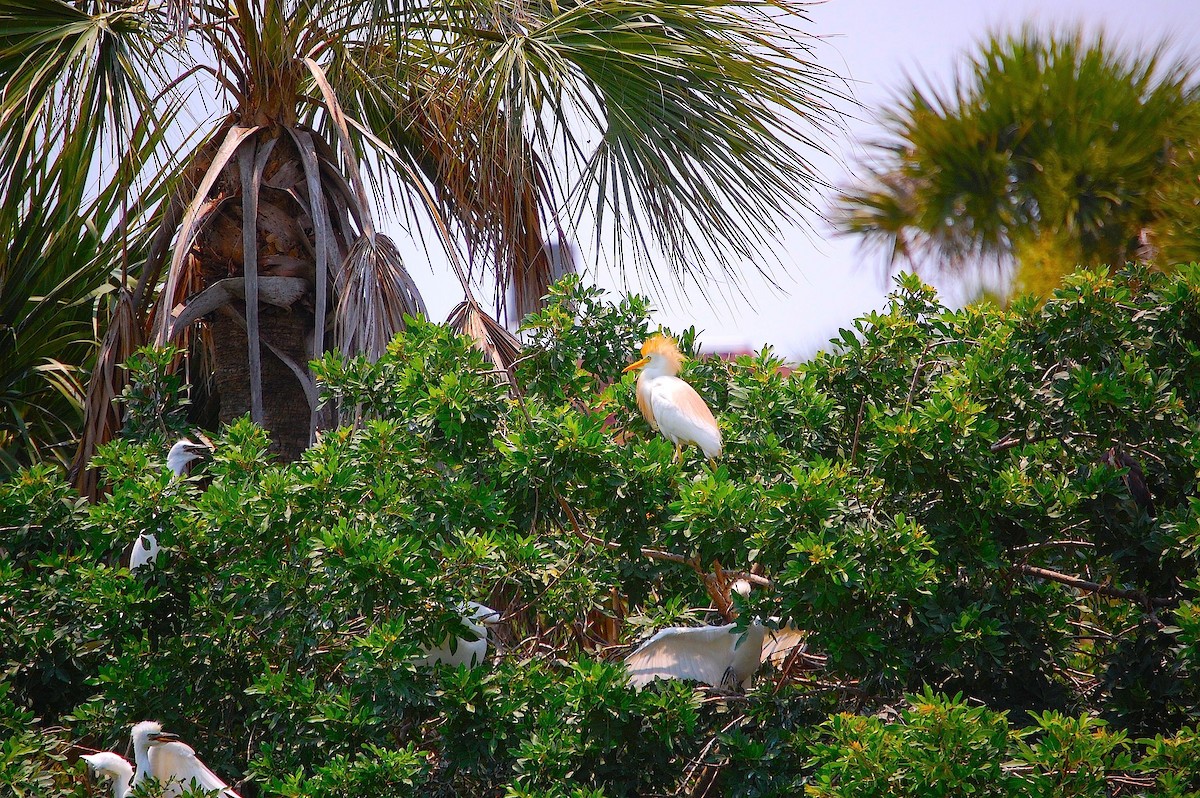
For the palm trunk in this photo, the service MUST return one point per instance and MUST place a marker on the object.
(286, 414)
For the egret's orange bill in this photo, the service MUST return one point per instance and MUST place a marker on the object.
(636, 364)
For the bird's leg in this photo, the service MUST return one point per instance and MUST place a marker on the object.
(678, 453)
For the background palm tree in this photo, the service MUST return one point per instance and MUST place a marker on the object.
(680, 127)
(1051, 151)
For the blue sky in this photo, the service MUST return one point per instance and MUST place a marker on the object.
(876, 44)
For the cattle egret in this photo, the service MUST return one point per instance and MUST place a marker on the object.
(174, 765)
(469, 651)
(113, 768)
(669, 404)
(182, 453)
(719, 656)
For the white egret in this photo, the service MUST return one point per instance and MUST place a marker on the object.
(160, 756)
(183, 452)
(471, 650)
(112, 768)
(669, 404)
(145, 548)
(719, 656)
(144, 552)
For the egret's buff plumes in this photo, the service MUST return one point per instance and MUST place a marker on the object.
(669, 404)
(160, 756)
(112, 768)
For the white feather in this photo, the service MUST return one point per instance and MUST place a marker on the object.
(470, 650)
(182, 453)
(177, 768)
(173, 765)
(716, 655)
(112, 768)
(145, 551)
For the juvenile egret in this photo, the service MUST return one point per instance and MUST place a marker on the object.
(113, 768)
(182, 453)
(719, 656)
(145, 548)
(669, 404)
(472, 651)
(174, 765)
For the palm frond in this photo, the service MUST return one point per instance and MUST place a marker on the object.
(499, 345)
(375, 293)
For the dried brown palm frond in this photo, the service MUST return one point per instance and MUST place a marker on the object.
(375, 293)
(102, 413)
(489, 335)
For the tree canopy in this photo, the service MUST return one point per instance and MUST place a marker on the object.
(948, 502)
(1049, 151)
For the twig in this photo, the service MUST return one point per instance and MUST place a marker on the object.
(1046, 544)
(862, 407)
(1127, 594)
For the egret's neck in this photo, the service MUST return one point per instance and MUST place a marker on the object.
(141, 757)
(120, 784)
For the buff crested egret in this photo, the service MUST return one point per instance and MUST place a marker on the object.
(669, 404)
(145, 548)
(160, 756)
(113, 768)
(471, 650)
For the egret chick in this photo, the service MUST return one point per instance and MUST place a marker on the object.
(112, 768)
(160, 756)
(145, 551)
(182, 453)
(669, 404)
(472, 651)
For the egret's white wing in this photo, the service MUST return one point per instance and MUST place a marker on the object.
(702, 654)
(145, 551)
(176, 766)
(470, 650)
(778, 644)
(683, 416)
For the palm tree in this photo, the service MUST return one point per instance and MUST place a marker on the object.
(662, 125)
(1049, 151)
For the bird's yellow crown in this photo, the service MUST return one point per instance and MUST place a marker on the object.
(659, 344)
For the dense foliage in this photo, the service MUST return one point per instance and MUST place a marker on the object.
(947, 502)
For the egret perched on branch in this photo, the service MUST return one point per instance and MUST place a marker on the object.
(471, 650)
(719, 656)
(669, 404)
(182, 453)
(174, 765)
(145, 548)
(113, 768)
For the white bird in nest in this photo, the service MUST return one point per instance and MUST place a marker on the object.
(145, 549)
(719, 656)
(112, 768)
(160, 756)
(669, 404)
(471, 650)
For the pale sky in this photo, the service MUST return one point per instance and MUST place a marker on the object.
(875, 44)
